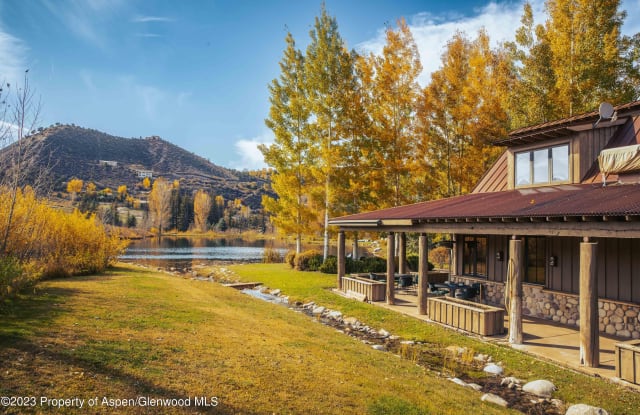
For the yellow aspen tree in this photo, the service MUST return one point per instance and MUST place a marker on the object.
(588, 56)
(122, 192)
(329, 70)
(160, 203)
(201, 208)
(291, 155)
(394, 92)
(74, 186)
(146, 183)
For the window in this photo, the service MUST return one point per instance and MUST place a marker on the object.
(474, 257)
(542, 166)
(535, 260)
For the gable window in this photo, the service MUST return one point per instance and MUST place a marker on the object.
(474, 256)
(542, 166)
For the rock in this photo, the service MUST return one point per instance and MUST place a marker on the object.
(582, 409)
(458, 381)
(276, 292)
(494, 399)
(383, 333)
(378, 347)
(309, 305)
(493, 369)
(335, 315)
(541, 387)
(509, 380)
(318, 310)
(352, 321)
(474, 386)
(407, 342)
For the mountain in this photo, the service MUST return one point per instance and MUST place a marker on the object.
(69, 151)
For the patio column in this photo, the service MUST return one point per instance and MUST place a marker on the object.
(423, 269)
(391, 250)
(402, 253)
(589, 336)
(513, 290)
(341, 258)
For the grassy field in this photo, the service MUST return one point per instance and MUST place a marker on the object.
(129, 333)
(572, 387)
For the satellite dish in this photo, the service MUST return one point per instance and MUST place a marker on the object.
(605, 110)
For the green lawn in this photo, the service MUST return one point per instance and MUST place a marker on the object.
(312, 286)
(136, 333)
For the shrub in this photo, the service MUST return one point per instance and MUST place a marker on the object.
(271, 256)
(330, 265)
(413, 261)
(440, 256)
(308, 261)
(50, 241)
(290, 258)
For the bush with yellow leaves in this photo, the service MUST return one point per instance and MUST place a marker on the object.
(37, 240)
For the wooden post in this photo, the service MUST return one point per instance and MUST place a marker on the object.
(341, 258)
(391, 250)
(423, 269)
(514, 284)
(453, 259)
(402, 254)
(589, 336)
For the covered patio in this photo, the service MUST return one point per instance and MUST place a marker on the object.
(585, 230)
(543, 339)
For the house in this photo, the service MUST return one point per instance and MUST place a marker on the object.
(109, 163)
(553, 226)
(144, 173)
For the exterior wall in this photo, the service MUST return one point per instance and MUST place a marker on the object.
(615, 317)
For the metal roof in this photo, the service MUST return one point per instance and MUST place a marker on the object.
(563, 201)
(564, 126)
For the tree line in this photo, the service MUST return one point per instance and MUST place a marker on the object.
(357, 132)
(167, 207)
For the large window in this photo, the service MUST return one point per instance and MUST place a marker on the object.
(535, 259)
(542, 166)
(474, 258)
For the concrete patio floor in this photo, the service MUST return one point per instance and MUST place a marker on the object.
(542, 338)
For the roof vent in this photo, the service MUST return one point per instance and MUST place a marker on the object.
(619, 160)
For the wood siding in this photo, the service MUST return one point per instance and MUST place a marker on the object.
(618, 265)
(586, 147)
(619, 269)
(495, 179)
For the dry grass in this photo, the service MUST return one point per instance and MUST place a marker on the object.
(132, 332)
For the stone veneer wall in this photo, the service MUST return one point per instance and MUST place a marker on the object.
(615, 318)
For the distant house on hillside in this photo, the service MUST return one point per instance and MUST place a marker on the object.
(109, 163)
(555, 219)
(144, 173)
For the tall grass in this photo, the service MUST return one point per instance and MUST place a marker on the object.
(40, 241)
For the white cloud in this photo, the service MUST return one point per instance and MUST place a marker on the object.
(146, 19)
(12, 64)
(250, 157)
(431, 32)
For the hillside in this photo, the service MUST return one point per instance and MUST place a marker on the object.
(109, 161)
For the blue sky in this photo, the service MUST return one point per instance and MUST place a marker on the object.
(196, 72)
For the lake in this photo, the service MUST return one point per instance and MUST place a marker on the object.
(183, 252)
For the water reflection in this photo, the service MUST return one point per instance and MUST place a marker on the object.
(182, 252)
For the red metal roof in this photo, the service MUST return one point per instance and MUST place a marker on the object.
(550, 201)
(562, 127)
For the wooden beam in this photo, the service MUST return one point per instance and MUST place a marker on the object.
(515, 276)
(423, 270)
(589, 336)
(391, 252)
(341, 258)
(402, 253)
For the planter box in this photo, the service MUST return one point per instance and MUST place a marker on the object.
(628, 361)
(466, 315)
(372, 290)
